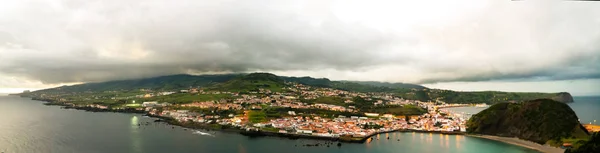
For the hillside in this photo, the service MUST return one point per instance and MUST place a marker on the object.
(589, 146)
(360, 86)
(246, 82)
(539, 121)
(171, 82)
(251, 82)
(390, 85)
(489, 97)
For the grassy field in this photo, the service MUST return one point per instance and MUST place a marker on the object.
(399, 110)
(257, 116)
(327, 100)
(181, 98)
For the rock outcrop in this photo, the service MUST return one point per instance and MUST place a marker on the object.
(564, 97)
(537, 120)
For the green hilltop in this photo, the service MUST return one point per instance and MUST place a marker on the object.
(490, 97)
(251, 82)
(543, 121)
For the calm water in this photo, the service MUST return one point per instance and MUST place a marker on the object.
(587, 109)
(27, 126)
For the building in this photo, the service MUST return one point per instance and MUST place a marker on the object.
(387, 116)
(371, 114)
(150, 104)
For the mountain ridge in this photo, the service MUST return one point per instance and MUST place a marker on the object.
(230, 82)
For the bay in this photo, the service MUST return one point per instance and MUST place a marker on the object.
(27, 126)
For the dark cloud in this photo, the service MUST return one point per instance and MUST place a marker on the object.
(70, 41)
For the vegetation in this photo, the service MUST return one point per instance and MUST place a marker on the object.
(163, 83)
(589, 146)
(398, 110)
(352, 86)
(257, 116)
(180, 98)
(252, 82)
(489, 97)
(539, 121)
(391, 85)
(326, 100)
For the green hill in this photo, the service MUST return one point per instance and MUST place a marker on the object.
(247, 82)
(539, 121)
(489, 97)
(359, 86)
(315, 82)
(251, 82)
(390, 85)
(171, 82)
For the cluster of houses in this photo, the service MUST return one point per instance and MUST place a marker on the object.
(325, 127)
(314, 125)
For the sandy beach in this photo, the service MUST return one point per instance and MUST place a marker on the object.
(522, 143)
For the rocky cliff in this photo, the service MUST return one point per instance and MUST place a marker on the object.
(564, 97)
(537, 120)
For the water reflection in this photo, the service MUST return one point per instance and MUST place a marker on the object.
(457, 142)
(430, 138)
(441, 139)
(368, 142)
(241, 149)
(447, 139)
(135, 135)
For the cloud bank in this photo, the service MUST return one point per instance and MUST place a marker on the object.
(65, 41)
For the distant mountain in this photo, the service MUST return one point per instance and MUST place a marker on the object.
(171, 82)
(489, 97)
(539, 121)
(254, 81)
(390, 85)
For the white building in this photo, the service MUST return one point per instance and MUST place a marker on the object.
(149, 104)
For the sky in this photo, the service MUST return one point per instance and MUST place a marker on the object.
(467, 45)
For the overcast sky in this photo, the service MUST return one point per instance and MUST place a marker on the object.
(544, 46)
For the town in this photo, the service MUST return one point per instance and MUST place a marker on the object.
(302, 110)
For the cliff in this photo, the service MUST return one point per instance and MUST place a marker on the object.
(564, 97)
(537, 120)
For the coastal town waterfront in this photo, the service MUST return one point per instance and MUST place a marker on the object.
(302, 111)
(55, 130)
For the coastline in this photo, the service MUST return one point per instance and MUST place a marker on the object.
(521, 143)
(231, 129)
(261, 133)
